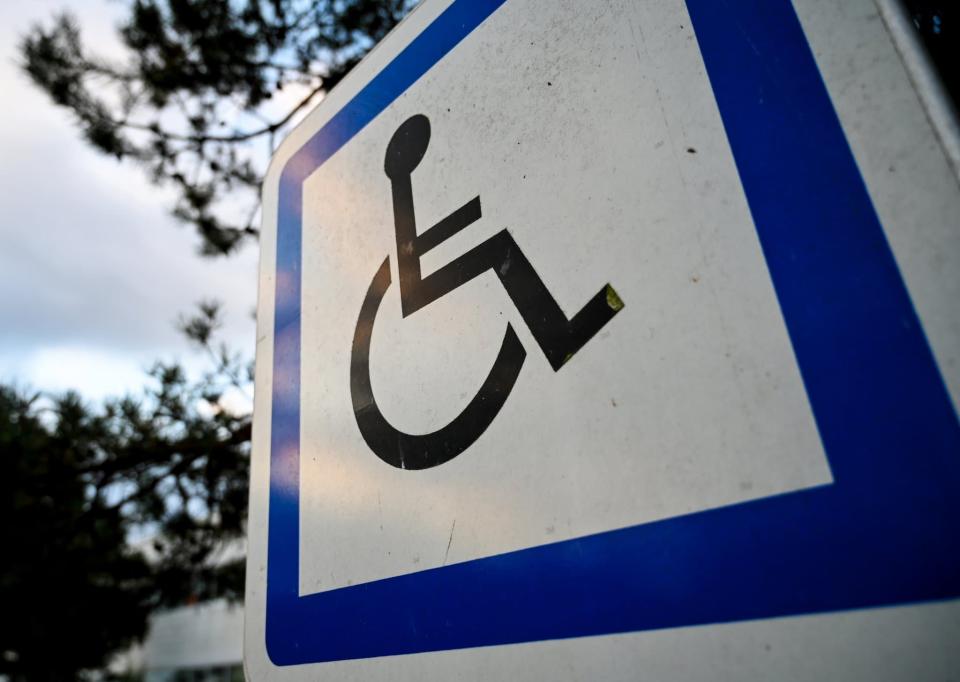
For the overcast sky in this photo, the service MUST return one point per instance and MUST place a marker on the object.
(93, 270)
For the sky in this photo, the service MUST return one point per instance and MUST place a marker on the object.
(94, 271)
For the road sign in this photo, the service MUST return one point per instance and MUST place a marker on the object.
(584, 326)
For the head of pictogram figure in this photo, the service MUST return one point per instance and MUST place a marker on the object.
(407, 147)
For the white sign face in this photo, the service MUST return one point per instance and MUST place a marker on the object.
(579, 330)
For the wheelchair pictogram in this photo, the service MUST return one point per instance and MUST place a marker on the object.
(558, 337)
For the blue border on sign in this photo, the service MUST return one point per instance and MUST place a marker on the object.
(885, 532)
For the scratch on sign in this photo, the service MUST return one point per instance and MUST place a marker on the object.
(449, 542)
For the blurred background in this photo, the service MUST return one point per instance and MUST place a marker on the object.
(134, 137)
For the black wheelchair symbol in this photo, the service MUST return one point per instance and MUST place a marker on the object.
(558, 337)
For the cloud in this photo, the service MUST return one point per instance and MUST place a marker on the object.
(93, 270)
(100, 373)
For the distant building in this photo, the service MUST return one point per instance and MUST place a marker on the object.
(199, 643)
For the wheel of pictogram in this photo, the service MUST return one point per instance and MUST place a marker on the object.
(422, 451)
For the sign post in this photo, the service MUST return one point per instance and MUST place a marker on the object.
(610, 341)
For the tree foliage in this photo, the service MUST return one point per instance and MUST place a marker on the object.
(195, 91)
(77, 483)
(198, 98)
(936, 23)
(67, 576)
